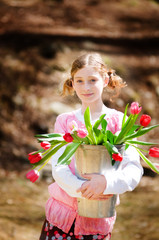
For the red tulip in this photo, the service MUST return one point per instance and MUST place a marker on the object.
(135, 109)
(81, 133)
(117, 157)
(67, 137)
(33, 158)
(32, 175)
(145, 120)
(45, 145)
(154, 152)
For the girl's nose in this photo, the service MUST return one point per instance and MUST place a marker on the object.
(87, 86)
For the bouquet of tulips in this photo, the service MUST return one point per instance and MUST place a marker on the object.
(95, 135)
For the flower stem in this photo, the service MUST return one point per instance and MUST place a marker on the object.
(47, 150)
(44, 164)
(141, 127)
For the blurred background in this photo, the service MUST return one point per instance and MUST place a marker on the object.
(39, 39)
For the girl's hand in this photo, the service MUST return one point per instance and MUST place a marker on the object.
(93, 188)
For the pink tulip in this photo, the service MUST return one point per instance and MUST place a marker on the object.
(117, 157)
(32, 175)
(67, 137)
(81, 133)
(135, 109)
(154, 152)
(33, 158)
(45, 145)
(145, 120)
(72, 126)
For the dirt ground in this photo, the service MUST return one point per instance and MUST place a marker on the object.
(38, 41)
(22, 209)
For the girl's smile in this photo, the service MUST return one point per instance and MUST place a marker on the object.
(87, 94)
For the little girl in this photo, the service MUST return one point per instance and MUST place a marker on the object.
(89, 76)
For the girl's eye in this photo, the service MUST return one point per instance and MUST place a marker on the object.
(79, 81)
(93, 80)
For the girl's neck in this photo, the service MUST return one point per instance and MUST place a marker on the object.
(95, 109)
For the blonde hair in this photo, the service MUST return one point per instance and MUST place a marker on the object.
(94, 60)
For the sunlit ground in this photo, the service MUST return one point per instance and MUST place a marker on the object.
(22, 210)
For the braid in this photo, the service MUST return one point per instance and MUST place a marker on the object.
(114, 80)
(67, 87)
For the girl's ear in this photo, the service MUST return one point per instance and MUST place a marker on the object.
(72, 84)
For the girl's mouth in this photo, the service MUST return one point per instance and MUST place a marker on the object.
(87, 94)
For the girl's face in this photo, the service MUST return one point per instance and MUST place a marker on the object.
(88, 84)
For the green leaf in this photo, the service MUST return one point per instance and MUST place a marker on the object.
(87, 118)
(126, 146)
(67, 162)
(124, 129)
(85, 140)
(104, 125)
(100, 138)
(127, 127)
(133, 129)
(91, 136)
(50, 135)
(49, 154)
(98, 122)
(146, 160)
(110, 137)
(68, 153)
(111, 148)
(57, 139)
(54, 142)
(97, 132)
(140, 133)
(141, 143)
(125, 114)
(75, 137)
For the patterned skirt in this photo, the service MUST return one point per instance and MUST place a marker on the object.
(50, 232)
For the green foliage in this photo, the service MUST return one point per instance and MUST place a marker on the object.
(68, 153)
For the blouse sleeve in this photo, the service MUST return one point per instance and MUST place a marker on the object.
(62, 173)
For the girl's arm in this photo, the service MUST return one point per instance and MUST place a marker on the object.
(69, 182)
(62, 173)
(64, 177)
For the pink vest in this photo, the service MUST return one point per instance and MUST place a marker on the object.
(61, 209)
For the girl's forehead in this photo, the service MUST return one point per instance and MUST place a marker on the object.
(87, 71)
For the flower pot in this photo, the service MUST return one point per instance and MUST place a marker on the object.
(95, 159)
